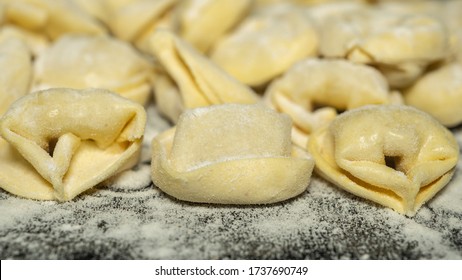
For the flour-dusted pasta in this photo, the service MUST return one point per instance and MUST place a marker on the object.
(322, 13)
(439, 93)
(230, 154)
(202, 22)
(192, 78)
(135, 21)
(313, 90)
(62, 142)
(15, 62)
(397, 156)
(447, 12)
(266, 44)
(401, 46)
(81, 62)
(53, 18)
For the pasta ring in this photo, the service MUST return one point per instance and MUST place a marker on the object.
(396, 156)
(61, 142)
(230, 154)
(332, 85)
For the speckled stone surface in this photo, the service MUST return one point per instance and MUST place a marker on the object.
(129, 218)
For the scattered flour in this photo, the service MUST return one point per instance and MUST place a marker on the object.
(128, 218)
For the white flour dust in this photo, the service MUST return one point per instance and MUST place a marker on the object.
(129, 218)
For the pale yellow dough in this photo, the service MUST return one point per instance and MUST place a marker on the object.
(192, 79)
(35, 41)
(397, 156)
(94, 62)
(53, 18)
(202, 22)
(266, 44)
(62, 142)
(401, 46)
(333, 85)
(16, 65)
(135, 21)
(230, 154)
(439, 93)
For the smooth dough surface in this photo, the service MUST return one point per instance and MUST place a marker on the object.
(193, 78)
(333, 85)
(266, 44)
(401, 46)
(61, 142)
(439, 93)
(203, 22)
(135, 21)
(230, 154)
(16, 65)
(52, 17)
(397, 156)
(97, 62)
(35, 41)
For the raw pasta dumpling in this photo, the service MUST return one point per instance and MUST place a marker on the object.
(313, 90)
(266, 44)
(401, 46)
(62, 142)
(94, 62)
(230, 154)
(189, 80)
(397, 156)
(16, 65)
(439, 93)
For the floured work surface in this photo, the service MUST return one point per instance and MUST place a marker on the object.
(134, 220)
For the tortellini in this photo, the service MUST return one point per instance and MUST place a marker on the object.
(52, 18)
(397, 156)
(193, 80)
(15, 62)
(439, 93)
(97, 62)
(313, 90)
(266, 44)
(62, 142)
(202, 22)
(230, 154)
(401, 46)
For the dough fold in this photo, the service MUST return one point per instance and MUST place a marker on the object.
(53, 18)
(314, 90)
(230, 154)
(400, 46)
(135, 21)
(191, 78)
(61, 142)
(397, 156)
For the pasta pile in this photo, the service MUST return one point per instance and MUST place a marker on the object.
(259, 92)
